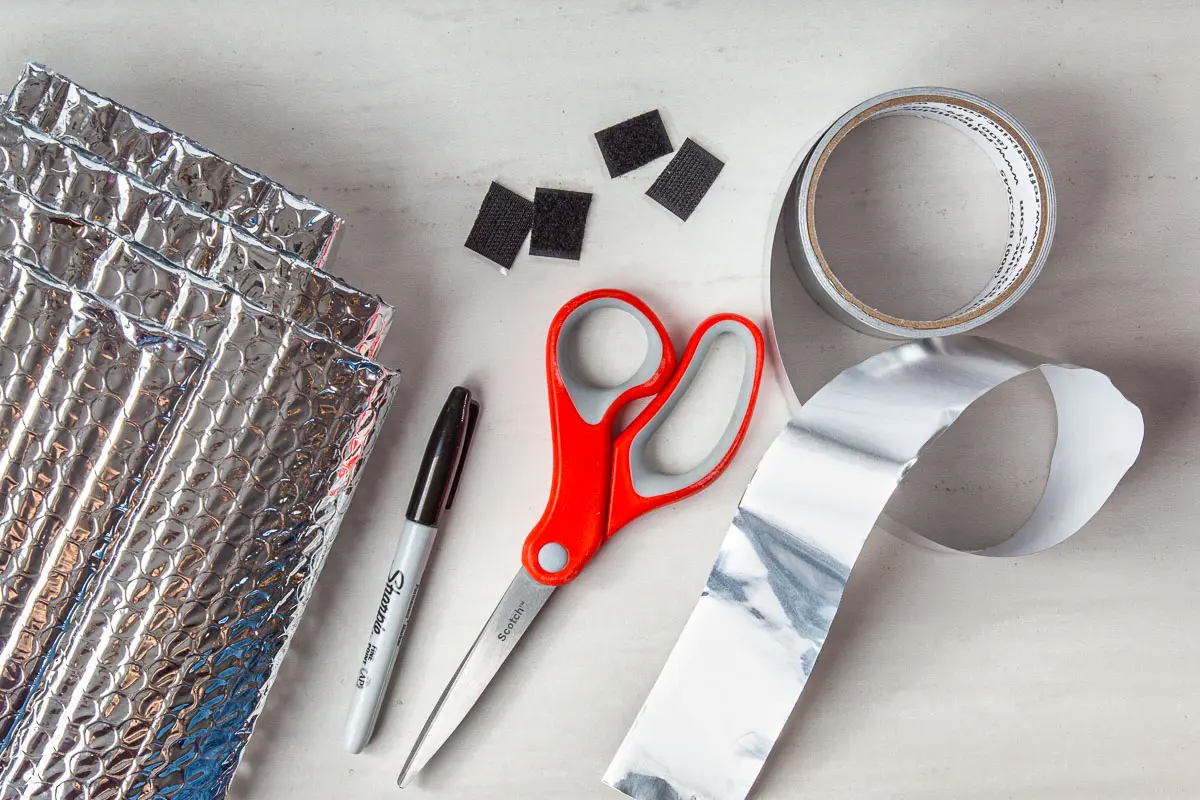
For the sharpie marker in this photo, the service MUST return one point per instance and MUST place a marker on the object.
(437, 481)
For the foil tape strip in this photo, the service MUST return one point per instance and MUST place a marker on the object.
(138, 145)
(69, 181)
(86, 396)
(748, 648)
(157, 684)
(1031, 210)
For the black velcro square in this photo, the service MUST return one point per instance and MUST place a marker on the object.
(501, 226)
(685, 181)
(634, 143)
(559, 218)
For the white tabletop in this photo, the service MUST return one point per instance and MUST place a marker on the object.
(1070, 674)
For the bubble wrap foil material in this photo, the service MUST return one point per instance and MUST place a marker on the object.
(90, 258)
(86, 394)
(131, 278)
(69, 181)
(157, 651)
(142, 147)
(155, 688)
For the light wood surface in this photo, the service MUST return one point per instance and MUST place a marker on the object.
(1070, 674)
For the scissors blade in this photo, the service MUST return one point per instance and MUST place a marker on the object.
(508, 623)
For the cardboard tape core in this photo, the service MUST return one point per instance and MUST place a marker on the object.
(1031, 210)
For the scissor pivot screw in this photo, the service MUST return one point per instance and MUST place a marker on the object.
(552, 557)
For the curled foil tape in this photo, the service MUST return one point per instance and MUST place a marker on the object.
(1027, 181)
(86, 396)
(138, 145)
(67, 181)
(752, 640)
(745, 654)
(156, 685)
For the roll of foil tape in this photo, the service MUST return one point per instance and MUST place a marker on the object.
(69, 181)
(138, 145)
(746, 652)
(1031, 211)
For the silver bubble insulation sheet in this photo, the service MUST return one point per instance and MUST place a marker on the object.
(163, 646)
(68, 180)
(159, 678)
(90, 258)
(86, 395)
(174, 163)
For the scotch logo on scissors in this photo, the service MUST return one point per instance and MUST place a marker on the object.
(512, 622)
(395, 582)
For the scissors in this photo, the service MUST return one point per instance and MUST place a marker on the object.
(600, 481)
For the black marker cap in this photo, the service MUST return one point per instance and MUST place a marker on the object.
(441, 467)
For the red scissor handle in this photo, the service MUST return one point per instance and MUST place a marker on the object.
(637, 488)
(575, 522)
